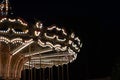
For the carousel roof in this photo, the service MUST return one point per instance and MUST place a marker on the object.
(43, 46)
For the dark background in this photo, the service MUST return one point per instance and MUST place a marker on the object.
(96, 23)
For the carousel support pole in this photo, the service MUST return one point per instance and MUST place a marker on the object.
(34, 72)
(40, 66)
(49, 73)
(62, 72)
(68, 68)
(52, 73)
(67, 71)
(43, 73)
(58, 73)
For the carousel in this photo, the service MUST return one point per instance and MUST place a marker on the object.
(24, 46)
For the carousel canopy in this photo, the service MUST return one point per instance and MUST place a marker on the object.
(41, 46)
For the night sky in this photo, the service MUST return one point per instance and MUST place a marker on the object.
(96, 23)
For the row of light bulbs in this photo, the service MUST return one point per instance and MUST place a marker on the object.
(7, 31)
(3, 31)
(75, 45)
(14, 20)
(13, 41)
(25, 32)
(53, 37)
(58, 29)
(57, 46)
